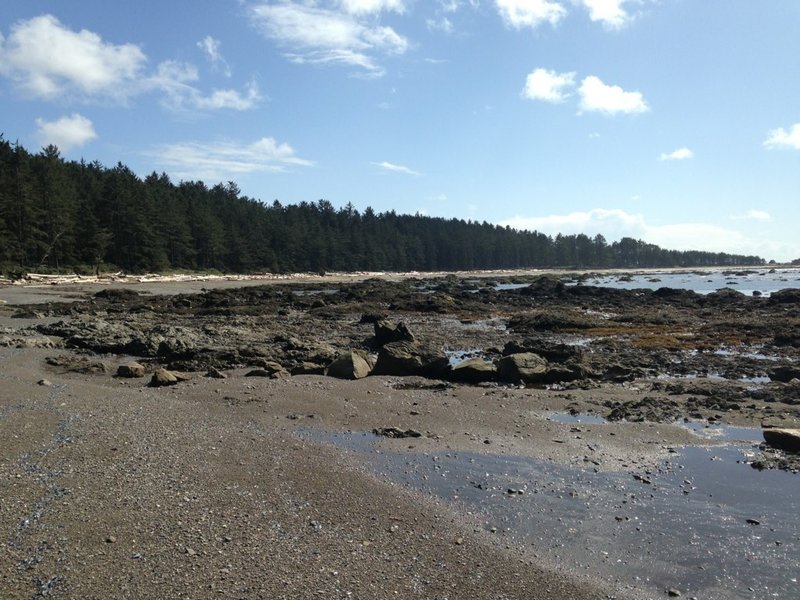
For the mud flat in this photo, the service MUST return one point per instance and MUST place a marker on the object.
(535, 439)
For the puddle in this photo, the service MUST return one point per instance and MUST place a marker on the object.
(722, 431)
(569, 419)
(705, 522)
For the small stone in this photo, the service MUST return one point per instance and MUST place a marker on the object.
(459, 541)
(216, 374)
(753, 522)
(190, 551)
(45, 382)
(673, 593)
(111, 539)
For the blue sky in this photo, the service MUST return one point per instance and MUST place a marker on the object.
(673, 121)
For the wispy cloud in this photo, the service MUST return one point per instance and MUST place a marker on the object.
(361, 7)
(614, 224)
(753, 215)
(529, 13)
(211, 48)
(321, 36)
(782, 138)
(223, 161)
(679, 154)
(597, 96)
(397, 168)
(66, 132)
(547, 85)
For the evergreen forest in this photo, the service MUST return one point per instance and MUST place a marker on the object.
(62, 216)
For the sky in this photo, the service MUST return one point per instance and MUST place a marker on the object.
(672, 121)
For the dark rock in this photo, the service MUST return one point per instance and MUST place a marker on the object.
(783, 439)
(387, 332)
(473, 370)
(117, 294)
(544, 286)
(550, 352)
(525, 366)
(216, 374)
(784, 374)
(787, 296)
(394, 432)
(355, 364)
(407, 358)
(131, 370)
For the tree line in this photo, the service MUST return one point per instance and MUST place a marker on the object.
(59, 215)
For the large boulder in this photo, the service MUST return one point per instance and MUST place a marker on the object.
(355, 364)
(131, 370)
(783, 439)
(473, 370)
(407, 358)
(526, 367)
(163, 377)
(387, 332)
(784, 373)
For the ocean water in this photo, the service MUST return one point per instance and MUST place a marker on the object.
(747, 281)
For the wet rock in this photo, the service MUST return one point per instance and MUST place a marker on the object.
(784, 374)
(407, 358)
(396, 433)
(783, 439)
(117, 294)
(787, 296)
(473, 370)
(564, 320)
(355, 364)
(387, 332)
(548, 351)
(131, 370)
(544, 286)
(525, 366)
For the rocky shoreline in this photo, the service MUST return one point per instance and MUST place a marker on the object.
(465, 364)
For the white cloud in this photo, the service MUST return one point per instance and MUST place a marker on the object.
(360, 7)
(614, 224)
(396, 168)
(550, 86)
(679, 154)
(753, 215)
(173, 79)
(212, 49)
(596, 96)
(66, 132)
(530, 13)
(321, 36)
(781, 138)
(223, 161)
(47, 60)
(609, 12)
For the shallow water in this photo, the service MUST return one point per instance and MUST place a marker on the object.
(704, 522)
